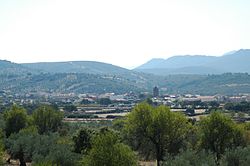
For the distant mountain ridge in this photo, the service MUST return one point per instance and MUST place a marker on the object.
(234, 61)
(90, 67)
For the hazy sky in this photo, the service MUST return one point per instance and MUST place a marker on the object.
(125, 33)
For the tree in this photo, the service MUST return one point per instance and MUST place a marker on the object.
(85, 101)
(149, 101)
(20, 145)
(104, 101)
(47, 119)
(59, 154)
(2, 122)
(51, 149)
(28, 145)
(156, 130)
(236, 157)
(1, 149)
(108, 150)
(241, 115)
(70, 108)
(214, 104)
(15, 119)
(82, 140)
(219, 133)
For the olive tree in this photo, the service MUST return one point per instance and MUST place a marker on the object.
(108, 150)
(219, 132)
(15, 119)
(155, 129)
(82, 140)
(47, 119)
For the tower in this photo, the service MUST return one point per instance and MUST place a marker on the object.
(155, 92)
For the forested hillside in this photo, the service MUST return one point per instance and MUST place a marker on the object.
(228, 84)
(100, 78)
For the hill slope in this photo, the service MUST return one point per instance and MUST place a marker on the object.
(7, 67)
(90, 67)
(67, 83)
(225, 84)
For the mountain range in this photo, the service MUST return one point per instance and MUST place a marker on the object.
(179, 74)
(234, 62)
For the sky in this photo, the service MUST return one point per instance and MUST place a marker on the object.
(126, 33)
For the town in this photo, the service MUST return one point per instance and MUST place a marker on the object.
(108, 106)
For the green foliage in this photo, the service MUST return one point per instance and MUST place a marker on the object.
(59, 154)
(45, 163)
(85, 101)
(156, 130)
(53, 150)
(219, 133)
(69, 82)
(2, 121)
(47, 119)
(236, 157)
(82, 116)
(82, 140)
(1, 139)
(15, 119)
(1, 152)
(104, 101)
(20, 145)
(119, 81)
(238, 107)
(107, 150)
(118, 124)
(149, 101)
(27, 145)
(191, 158)
(70, 108)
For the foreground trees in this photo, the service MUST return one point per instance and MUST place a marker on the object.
(15, 119)
(236, 157)
(108, 150)
(32, 147)
(156, 130)
(1, 148)
(47, 119)
(82, 140)
(220, 133)
(191, 158)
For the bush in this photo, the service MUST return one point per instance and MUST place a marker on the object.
(237, 157)
(191, 158)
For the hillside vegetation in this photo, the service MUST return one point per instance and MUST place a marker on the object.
(96, 77)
